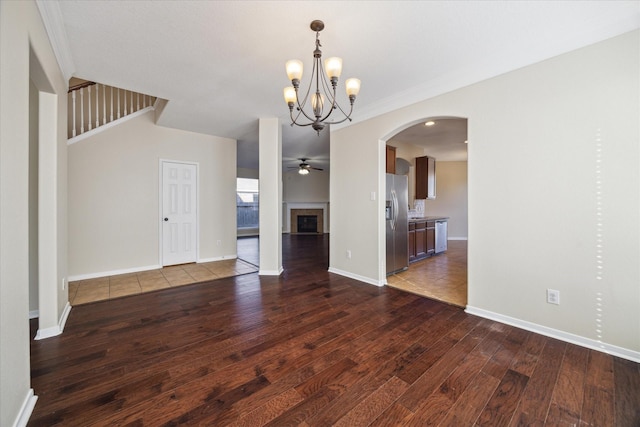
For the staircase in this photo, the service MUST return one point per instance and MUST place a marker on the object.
(93, 107)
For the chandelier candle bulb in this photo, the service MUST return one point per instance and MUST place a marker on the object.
(323, 92)
(353, 87)
(294, 69)
(333, 67)
(290, 95)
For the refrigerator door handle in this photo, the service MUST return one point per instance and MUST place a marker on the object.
(395, 209)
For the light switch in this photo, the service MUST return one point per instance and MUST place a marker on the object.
(373, 195)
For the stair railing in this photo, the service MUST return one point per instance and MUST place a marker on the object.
(92, 105)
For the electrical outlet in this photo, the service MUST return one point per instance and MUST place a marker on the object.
(219, 242)
(553, 296)
(348, 254)
(64, 283)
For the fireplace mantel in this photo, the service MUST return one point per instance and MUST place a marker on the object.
(288, 206)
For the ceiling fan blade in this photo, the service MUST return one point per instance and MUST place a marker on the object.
(318, 169)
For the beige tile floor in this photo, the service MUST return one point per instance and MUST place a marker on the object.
(86, 291)
(442, 277)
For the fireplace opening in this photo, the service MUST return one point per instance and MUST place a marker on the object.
(307, 223)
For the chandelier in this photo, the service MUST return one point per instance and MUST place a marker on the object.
(326, 80)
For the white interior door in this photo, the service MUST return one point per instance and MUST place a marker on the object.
(179, 213)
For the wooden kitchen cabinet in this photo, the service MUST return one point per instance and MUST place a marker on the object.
(412, 242)
(425, 177)
(391, 159)
(422, 240)
(431, 238)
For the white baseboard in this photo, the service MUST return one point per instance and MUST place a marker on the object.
(26, 409)
(112, 273)
(34, 314)
(613, 350)
(457, 238)
(55, 330)
(219, 258)
(357, 277)
(271, 272)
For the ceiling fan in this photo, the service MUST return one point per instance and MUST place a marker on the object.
(304, 168)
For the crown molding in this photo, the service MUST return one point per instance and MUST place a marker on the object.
(53, 24)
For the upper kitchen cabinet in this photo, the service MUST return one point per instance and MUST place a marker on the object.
(391, 159)
(425, 177)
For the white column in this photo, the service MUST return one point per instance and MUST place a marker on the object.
(270, 175)
(50, 290)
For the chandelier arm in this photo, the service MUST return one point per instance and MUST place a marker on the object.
(294, 121)
(329, 89)
(345, 114)
(301, 109)
(347, 117)
(333, 106)
(314, 73)
(334, 102)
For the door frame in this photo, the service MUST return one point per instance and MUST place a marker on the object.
(161, 162)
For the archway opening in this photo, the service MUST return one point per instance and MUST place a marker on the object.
(433, 271)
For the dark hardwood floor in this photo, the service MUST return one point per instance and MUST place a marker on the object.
(312, 348)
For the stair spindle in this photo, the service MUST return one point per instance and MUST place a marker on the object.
(73, 129)
(125, 103)
(137, 101)
(81, 111)
(104, 105)
(111, 107)
(89, 106)
(118, 103)
(131, 109)
(97, 107)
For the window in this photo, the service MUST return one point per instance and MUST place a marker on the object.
(247, 203)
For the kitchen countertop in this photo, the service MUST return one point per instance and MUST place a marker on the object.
(428, 218)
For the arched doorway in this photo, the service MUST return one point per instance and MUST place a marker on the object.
(441, 275)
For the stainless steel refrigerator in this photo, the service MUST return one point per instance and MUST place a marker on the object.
(397, 223)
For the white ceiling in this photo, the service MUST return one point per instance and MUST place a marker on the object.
(445, 140)
(221, 63)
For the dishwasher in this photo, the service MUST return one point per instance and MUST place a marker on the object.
(441, 236)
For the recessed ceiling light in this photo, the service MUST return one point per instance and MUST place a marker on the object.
(430, 123)
(466, 142)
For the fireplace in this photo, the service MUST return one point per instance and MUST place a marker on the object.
(306, 221)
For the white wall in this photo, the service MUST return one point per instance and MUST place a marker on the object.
(25, 53)
(248, 173)
(553, 179)
(451, 197)
(114, 195)
(313, 187)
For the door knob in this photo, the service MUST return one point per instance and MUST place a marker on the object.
(166, 219)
